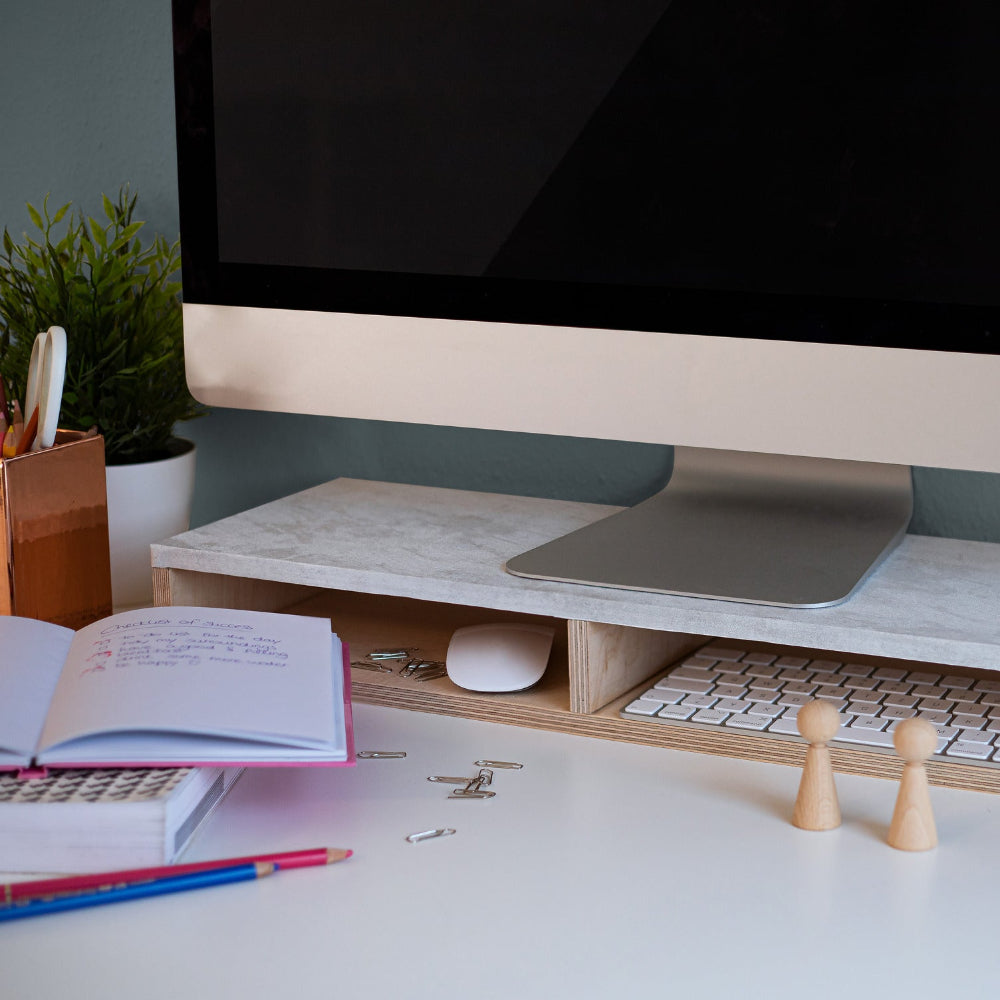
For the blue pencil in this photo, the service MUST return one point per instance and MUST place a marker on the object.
(136, 890)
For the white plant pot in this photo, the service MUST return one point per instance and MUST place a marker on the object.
(147, 502)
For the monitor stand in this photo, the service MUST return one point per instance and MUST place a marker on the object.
(738, 526)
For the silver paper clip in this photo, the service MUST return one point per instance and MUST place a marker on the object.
(380, 754)
(431, 673)
(370, 666)
(415, 838)
(416, 665)
(510, 765)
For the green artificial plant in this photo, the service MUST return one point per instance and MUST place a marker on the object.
(119, 303)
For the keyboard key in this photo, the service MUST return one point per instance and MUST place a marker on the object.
(957, 681)
(733, 705)
(902, 700)
(729, 690)
(759, 656)
(929, 691)
(862, 708)
(984, 685)
(786, 725)
(641, 707)
(976, 736)
(799, 687)
(705, 662)
(758, 672)
(794, 662)
(894, 687)
(689, 685)
(695, 673)
(865, 697)
(860, 683)
(974, 751)
(722, 653)
(875, 725)
(711, 716)
(658, 698)
(826, 666)
(935, 705)
(863, 737)
(679, 712)
(970, 708)
(771, 711)
(828, 692)
(794, 676)
(990, 698)
(766, 683)
(700, 700)
(749, 721)
(889, 674)
(856, 670)
(791, 699)
(919, 678)
(936, 718)
(669, 696)
(895, 712)
(761, 694)
(968, 722)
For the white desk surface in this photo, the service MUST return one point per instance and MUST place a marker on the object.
(599, 870)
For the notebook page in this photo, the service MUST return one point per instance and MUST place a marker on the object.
(31, 656)
(197, 670)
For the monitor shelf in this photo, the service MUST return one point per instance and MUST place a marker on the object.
(393, 564)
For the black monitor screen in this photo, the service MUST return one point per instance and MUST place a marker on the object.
(782, 169)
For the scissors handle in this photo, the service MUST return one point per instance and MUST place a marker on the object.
(46, 375)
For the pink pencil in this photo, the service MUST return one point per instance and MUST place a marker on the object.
(73, 883)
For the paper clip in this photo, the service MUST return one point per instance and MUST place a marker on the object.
(431, 672)
(380, 754)
(474, 787)
(417, 664)
(415, 838)
(448, 781)
(371, 666)
(498, 763)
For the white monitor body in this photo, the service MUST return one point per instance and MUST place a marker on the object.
(869, 404)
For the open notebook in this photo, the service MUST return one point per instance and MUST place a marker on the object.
(174, 686)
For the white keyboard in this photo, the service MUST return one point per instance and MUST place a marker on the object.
(760, 691)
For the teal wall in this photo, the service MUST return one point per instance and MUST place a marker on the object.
(88, 104)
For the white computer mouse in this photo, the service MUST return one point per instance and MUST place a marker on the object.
(506, 656)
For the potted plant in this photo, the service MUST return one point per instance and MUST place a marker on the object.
(119, 302)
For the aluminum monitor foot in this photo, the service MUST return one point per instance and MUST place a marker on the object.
(736, 526)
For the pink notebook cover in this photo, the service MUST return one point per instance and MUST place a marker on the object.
(40, 772)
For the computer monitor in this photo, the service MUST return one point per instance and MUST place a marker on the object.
(763, 233)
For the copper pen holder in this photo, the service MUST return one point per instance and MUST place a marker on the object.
(54, 546)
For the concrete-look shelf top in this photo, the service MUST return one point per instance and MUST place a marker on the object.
(933, 599)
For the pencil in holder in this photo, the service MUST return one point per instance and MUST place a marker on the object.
(54, 548)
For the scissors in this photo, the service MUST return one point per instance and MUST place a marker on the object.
(46, 374)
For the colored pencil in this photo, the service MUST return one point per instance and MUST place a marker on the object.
(13, 891)
(28, 434)
(137, 890)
